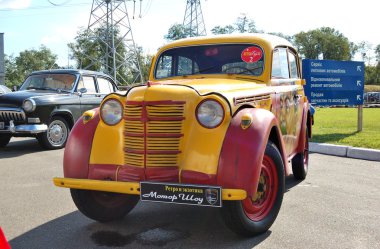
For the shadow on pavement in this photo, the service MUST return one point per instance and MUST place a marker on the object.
(291, 182)
(20, 146)
(148, 226)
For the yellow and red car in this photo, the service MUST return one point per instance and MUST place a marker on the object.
(221, 121)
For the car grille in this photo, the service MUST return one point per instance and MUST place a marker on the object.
(15, 115)
(153, 132)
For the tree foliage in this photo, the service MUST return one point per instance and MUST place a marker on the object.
(92, 50)
(17, 68)
(323, 43)
(243, 24)
(176, 32)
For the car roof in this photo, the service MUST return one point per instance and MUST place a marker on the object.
(267, 39)
(72, 71)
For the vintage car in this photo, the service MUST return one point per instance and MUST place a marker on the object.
(220, 123)
(4, 89)
(48, 104)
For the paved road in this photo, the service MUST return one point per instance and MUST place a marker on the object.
(337, 206)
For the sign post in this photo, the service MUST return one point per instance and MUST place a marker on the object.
(335, 83)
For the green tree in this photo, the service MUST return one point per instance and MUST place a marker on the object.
(90, 46)
(377, 53)
(323, 43)
(223, 30)
(243, 24)
(17, 68)
(176, 32)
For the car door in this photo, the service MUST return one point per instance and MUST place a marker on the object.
(90, 98)
(105, 86)
(289, 95)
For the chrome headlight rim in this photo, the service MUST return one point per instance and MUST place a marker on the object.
(117, 113)
(29, 105)
(217, 120)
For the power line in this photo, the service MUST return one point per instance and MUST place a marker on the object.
(45, 7)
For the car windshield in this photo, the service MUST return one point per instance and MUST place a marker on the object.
(247, 59)
(63, 82)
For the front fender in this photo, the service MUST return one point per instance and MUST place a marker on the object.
(243, 150)
(78, 147)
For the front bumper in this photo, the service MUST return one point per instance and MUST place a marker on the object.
(24, 129)
(132, 188)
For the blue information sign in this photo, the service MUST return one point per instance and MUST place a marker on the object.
(331, 82)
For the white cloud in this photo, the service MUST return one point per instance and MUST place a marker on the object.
(15, 4)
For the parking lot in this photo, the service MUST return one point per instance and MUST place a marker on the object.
(336, 206)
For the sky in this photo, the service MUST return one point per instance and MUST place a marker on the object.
(28, 24)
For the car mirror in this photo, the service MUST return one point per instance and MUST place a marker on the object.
(83, 90)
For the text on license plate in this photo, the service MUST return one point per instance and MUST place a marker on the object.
(188, 194)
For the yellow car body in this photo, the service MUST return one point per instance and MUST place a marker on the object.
(214, 113)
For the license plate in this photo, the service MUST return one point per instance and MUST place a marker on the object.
(188, 194)
(2, 125)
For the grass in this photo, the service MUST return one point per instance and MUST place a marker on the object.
(372, 88)
(339, 126)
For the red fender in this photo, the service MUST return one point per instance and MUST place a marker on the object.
(76, 157)
(243, 150)
(301, 140)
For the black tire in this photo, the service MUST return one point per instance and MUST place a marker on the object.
(103, 206)
(266, 203)
(56, 135)
(300, 162)
(4, 140)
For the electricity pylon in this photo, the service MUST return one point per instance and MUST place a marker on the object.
(193, 20)
(109, 24)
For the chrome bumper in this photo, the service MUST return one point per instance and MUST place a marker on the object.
(24, 129)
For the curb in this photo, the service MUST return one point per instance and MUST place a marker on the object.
(345, 151)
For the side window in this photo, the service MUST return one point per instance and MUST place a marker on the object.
(280, 67)
(87, 82)
(293, 66)
(164, 67)
(105, 86)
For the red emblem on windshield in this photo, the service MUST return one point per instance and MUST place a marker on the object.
(251, 54)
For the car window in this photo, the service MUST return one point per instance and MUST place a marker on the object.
(293, 65)
(49, 81)
(87, 82)
(280, 67)
(164, 66)
(105, 86)
(245, 59)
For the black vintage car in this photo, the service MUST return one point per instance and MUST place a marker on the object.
(49, 103)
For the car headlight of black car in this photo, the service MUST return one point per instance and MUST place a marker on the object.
(29, 105)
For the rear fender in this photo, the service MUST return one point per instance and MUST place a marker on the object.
(243, 150)
(78, 147)
(304, 126)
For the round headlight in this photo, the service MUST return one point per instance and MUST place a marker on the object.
(210, 113)
(111, 111)
(29, 105)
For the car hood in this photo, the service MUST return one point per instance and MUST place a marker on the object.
(235, 91)
(17, 98)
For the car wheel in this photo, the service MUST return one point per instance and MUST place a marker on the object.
(56, 135)
(300, 162)
(103, 206)
(256, 214)
(4, 140)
